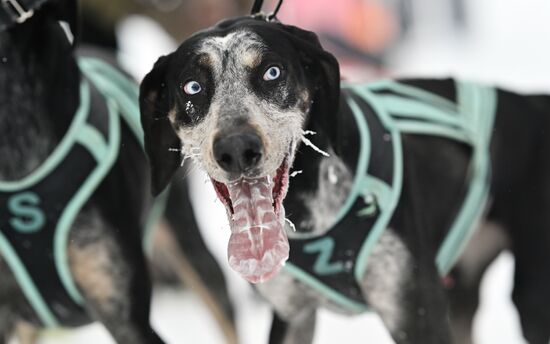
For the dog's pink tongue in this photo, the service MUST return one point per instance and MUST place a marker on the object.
(258, 246)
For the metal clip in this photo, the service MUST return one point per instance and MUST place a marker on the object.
(17, 11)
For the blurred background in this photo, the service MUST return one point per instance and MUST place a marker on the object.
(497, 41)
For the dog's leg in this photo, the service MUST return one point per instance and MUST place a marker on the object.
(406, 292)
(294, 304)
(26, 333)
(531, 293)
(299, 330)
(14, 306)
(487, 243)
(112, 279)
(179, 262)
(185, 252)
(6, 324)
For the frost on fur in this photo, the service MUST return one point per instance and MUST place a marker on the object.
(310, 144)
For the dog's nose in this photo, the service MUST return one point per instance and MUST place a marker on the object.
(238, 153)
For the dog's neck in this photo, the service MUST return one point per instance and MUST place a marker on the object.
(316, 195)
(38, 94)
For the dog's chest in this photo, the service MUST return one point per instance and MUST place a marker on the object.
(334, 183)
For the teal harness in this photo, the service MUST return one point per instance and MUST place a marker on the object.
(39, 210)
(334, 263)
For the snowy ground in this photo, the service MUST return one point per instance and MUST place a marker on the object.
(507, 42)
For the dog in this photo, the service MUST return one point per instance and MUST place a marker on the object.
(388, 180)
(74, 194)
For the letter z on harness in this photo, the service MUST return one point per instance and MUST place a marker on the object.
(334, 263)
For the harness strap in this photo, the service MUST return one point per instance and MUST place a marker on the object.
(381, 119)
(415, 93)
(99, 136)
(422, 112)
(105, 152)
(362, 164)
(387, 196)
(18, 268)
(113, 84)
(479, 103)
(470, 122)
(62, 148)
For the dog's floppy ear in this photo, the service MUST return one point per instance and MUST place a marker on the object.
(322, 68)
(161, 140)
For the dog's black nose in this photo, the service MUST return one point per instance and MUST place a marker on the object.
(238, 153)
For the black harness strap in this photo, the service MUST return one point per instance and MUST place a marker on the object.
(331, 258)
(30, 223)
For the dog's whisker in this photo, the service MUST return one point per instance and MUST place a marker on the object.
(194, 153)
(295, 173)
(292, 226)
(307, 142)
(182, 152)
(309, 132)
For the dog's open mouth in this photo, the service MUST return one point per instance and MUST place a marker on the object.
(258, 246)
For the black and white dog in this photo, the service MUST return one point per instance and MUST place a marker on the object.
(240, 97)
(40, 105)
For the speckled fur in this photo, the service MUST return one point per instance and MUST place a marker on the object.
(280, 129)
(335, 182)
(389, 269)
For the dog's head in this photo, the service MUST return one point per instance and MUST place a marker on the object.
(236, 98)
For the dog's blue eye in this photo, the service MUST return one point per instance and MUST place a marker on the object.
(272, 73)
(192, 87)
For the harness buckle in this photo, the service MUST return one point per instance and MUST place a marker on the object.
(17, 11)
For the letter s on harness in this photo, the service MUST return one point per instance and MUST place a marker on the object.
(27, 217)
